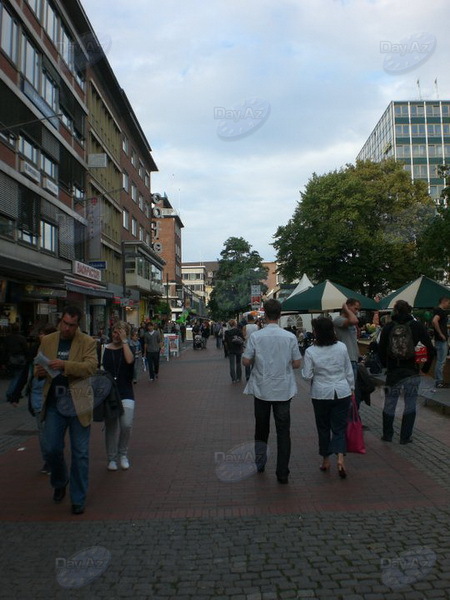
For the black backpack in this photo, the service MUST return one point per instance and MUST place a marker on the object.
(401, 343)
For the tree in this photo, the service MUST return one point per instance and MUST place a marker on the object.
(358, 226)
(240, 267)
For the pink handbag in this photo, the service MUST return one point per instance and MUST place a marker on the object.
(354, 437)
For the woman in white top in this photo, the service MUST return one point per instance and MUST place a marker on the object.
(327, 365)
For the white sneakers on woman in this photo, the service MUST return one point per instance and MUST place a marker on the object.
(124, 464)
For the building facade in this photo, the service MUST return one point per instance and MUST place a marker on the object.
(75, 176)
(416, 133)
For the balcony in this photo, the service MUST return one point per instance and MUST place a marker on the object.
(144, 285)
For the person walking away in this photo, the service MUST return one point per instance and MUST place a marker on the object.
(34, 389)
(327, 366)
(440, 327)
(205, 332)
(135, 346)
(234, 341)
(152, 349)
(346, 326)
(118, 359)
(218, 334)
(274, 354)
(68, 405)
(18, 354)
(247, 331)
(396, 346)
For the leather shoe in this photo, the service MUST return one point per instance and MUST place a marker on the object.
(58, 494)
(283, 480)
(406, 441)
(77, 509)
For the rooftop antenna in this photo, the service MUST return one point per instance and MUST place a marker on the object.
(436, 88)
(418, 87)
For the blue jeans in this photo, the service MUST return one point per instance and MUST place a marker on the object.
(331, 421)
(441, 356)
(55, 428)
(235, 366)
(410, 387)
(12, 393)
(282, 416)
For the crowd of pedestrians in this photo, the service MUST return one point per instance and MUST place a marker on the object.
(57, 373)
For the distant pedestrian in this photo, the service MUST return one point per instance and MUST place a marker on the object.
(396, 346)
(346, 326)
(234, 341)
(327, 366)
(152, 349)
(440, 327)
(248, 329)
(273, 353)
(18, 356)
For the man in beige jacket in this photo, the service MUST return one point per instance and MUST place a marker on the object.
(68, 404)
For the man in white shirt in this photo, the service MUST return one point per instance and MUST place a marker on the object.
(273, 352)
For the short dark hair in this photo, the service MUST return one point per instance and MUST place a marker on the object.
(324, 332)
(352, 301)
(73, 311)
(272, 308)
(402, 307)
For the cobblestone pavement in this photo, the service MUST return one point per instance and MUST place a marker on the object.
(191, 520)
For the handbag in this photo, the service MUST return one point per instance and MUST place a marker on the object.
(354, 437)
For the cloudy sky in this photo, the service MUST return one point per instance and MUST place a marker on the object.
(241, 101)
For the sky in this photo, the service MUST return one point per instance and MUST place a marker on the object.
(242, 101)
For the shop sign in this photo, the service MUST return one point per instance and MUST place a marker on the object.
(87, 271)
(44, 292)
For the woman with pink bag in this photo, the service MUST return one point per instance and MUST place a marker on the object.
(327, 365)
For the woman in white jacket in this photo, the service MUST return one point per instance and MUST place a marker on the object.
(327, 365)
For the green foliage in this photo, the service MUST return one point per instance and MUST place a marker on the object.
(239, 268)
(358, 226)
(434, 246)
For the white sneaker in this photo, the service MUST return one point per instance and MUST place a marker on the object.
(112, 465)
(124, 463)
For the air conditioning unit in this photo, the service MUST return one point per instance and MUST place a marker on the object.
(50, 186)
(27, 169)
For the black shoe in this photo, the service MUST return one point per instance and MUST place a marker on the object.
(407, 441)
(58, 494)
(283, 480)
(261, 469)
(385, 438)
(77, 509)
(45, 469)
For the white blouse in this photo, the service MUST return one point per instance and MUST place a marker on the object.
(330, 371)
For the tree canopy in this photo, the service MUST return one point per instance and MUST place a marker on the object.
(240, 267)
(358, 226)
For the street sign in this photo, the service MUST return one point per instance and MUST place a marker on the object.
(98, 264)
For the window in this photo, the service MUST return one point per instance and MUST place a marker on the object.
(66, 48)
(133, 158)
(434, 129)
(141, 170)
(30, 62)
(125, 144)
(35, 6)
(402, 130)
(418, 130)
(417, 110)
(66, 119)
(49, 167)
(133, 226)
(420, 171)
(125, 219)
(401, 110)
(49, 91)
(48, 236)
(141, 234)
(27, 238)
(125, 181)
(9, 33)
(29, 150)
(50, 22)
(419, 150)
(141, 202)
(435, 150)
(134, 192)
(433, 110)
(403, 151)
(7, 226)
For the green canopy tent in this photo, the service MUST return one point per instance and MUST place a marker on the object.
(420, 293)
(325, 297)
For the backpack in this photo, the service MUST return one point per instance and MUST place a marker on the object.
(237, 341)
(401, 343)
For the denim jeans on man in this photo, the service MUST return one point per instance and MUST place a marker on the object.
(410, 387)
(282, 417)
(441, 347)
(235, 367)
(55, 427)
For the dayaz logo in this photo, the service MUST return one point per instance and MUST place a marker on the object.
(238, 114)
(402, 49)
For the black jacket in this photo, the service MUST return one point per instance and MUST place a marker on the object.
(398, 370)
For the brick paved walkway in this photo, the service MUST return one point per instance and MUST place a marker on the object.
(191, 520)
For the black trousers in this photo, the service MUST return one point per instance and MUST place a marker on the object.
(282, 417)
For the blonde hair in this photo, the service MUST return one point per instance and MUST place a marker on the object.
(122, 325)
